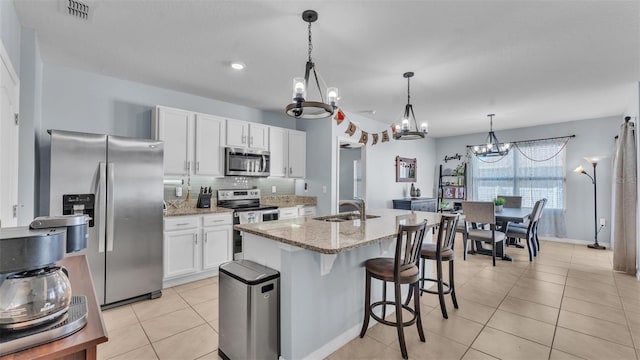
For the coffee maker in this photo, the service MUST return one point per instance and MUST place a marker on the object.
(36, 301)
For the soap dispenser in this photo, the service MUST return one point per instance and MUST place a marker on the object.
(412, 192)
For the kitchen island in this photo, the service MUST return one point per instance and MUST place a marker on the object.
(322, 273)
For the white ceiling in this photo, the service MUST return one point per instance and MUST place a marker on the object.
(529, 62)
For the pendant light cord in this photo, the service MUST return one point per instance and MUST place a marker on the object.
(310, 45)
(409, 91)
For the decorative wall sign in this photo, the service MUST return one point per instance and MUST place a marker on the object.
(351, 129)
(375, 139)
(406, 169)
(456, 156)
(385, 136)
(364, 137)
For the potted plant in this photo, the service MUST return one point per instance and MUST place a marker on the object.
(499, 203)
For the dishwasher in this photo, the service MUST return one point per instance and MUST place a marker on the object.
(249, 308)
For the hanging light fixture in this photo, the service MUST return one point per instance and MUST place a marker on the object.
(493, 147)
(300, 107)
(406, 130)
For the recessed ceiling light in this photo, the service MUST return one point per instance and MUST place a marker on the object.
(237, 65)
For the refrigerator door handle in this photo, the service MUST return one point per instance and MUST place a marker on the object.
(102, 193)
(110, 206)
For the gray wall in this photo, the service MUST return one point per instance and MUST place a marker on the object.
(380, 186)
(593, 137)
(320, 160)
(87, 102)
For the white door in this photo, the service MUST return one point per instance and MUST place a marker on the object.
(180, 253)
(258, 136)
(278, 149)
(173, 129)
(297, 154)
(209, 134)
(217, 247)
(9, 99)
(237, 134)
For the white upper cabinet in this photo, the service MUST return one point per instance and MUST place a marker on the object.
(173, 127)
(192, 142)
(244, 134)
(279, 156)
(297, 154)
(209, 146)
(288, 152)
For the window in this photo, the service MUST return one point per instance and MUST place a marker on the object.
(533, 170)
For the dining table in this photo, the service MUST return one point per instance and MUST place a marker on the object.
(506, 215)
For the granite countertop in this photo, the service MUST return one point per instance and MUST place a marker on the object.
(335, 237)
(183, 207)
(289, 200)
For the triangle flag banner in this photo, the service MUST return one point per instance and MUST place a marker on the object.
(351, 129)
(364, 137)
(393, 129)
(339, 116)
(385, 136)
(375, 139)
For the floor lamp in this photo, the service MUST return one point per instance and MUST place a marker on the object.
(580, 169)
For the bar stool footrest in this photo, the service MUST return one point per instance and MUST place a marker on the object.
(445, 291)
(392, 323)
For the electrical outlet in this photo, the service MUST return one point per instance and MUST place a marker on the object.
(603, 222)
(324, 189)
(273, 189)
(178, 191)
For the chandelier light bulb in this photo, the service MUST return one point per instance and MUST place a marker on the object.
(397, 127)
(299, 91)
(405, 124)
(423, 127)
(332, 96)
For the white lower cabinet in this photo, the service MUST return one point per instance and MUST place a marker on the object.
(288, 213)
(195, 246)
(307, 210)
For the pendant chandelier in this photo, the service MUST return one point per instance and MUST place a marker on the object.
(406, 130)
(493, 147)
(300, 107)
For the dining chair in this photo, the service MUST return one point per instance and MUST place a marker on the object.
(511, 201)
(532, 226)
(441, 250)
(482, 212)
(402, 269)
(526, 232)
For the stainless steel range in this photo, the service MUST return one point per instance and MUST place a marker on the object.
(247, 209)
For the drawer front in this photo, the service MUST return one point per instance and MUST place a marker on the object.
(288, 213)
(215, 220)
(307, 210)
(181, 223)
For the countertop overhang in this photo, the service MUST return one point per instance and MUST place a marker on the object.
(335, 237)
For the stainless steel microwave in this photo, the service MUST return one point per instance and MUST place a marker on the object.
(246, 162)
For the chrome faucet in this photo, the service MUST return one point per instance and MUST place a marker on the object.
(356, 203)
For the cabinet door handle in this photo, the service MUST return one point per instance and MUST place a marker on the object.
(196, 239)
(182, 224)
(251, 140)
(206, 236)
(197, 165)
(186, 166)
(284, 169)
(244, 139)
(290, 171)
(219, 220)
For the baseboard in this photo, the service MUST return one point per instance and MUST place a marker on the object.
(572, 241)
(339, 341)
(167, 283)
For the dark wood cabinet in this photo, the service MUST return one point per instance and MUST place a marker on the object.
(416, 204)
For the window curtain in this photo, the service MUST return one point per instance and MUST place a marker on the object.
(625, 192)
(533, 170)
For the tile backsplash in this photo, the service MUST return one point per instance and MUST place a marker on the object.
(282, 186)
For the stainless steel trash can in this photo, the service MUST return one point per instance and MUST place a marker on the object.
(249, 311)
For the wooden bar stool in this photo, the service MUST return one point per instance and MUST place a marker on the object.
(401, 269)
(441, 251)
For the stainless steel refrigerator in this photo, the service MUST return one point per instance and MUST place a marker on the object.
(117, 181)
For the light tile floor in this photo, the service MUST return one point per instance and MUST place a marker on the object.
(566, 304)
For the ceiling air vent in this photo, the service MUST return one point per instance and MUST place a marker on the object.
(77, 9)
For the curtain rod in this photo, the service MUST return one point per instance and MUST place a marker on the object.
(544, 139)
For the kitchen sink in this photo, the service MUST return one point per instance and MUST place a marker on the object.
(343, 217)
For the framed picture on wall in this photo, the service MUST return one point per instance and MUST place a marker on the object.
(406, 169)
